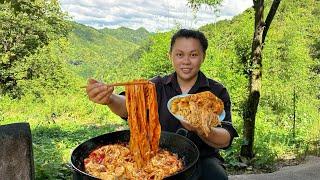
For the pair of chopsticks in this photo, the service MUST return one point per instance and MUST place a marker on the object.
(124, 83)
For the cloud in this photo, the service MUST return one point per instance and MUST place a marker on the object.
(161, 15)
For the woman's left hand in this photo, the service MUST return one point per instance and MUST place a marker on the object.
(189, 127)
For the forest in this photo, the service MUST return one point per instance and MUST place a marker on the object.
(45, 57)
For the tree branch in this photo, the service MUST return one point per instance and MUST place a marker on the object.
(271, 14)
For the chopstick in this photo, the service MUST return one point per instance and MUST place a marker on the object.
(124, 83)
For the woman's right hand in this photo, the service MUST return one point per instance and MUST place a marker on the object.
(99, 92)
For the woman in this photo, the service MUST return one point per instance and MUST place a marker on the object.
(187, 53)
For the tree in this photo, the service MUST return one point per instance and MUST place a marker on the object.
(261, 28)
(26, 26)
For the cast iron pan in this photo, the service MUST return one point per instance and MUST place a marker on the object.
(172, 142)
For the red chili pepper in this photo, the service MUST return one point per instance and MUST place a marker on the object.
(97, 157)
(92, 155)
(100, 158)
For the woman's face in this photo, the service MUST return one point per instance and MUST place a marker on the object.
(187, 57)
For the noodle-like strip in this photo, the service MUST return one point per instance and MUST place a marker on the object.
(143, 120)
(142, 158)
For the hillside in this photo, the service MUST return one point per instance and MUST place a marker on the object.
(135, 36)
(93, 53)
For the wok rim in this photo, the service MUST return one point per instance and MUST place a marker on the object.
(193, 163)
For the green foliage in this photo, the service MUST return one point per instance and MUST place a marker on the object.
(195, 4)
(26, 26)
(135, 36)
(96, 53)
(156, 61)
(51, 73)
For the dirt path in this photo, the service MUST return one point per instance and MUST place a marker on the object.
(309, 170)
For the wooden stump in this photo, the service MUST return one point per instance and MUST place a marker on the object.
(16, 155)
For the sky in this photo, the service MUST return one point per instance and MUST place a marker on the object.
(153, 15)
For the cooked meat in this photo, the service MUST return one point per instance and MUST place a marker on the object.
(117, 162)
(201, 110)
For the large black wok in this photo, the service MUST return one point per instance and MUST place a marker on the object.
(172, 142)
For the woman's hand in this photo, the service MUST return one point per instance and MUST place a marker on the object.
(99, 92)
(189, 127)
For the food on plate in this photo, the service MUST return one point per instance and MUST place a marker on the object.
(117, 162)
(141, 158)
(201, 110)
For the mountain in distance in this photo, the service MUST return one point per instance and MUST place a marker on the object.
(93, 51)
(123, 33)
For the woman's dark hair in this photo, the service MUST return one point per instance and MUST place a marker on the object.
(187, 33)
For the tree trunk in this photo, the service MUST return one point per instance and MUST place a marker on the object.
(255, 73)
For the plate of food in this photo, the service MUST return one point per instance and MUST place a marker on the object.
(203, 110)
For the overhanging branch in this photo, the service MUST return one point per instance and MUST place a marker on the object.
(271, 14)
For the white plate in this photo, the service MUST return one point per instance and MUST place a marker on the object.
(221, 116)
